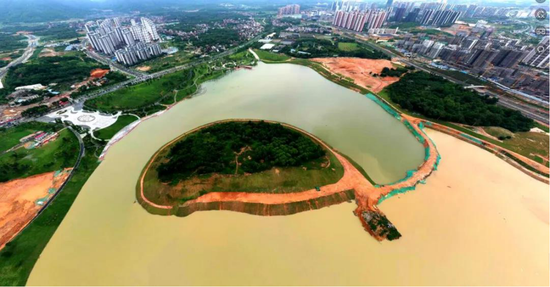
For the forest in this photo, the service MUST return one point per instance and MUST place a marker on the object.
(258, 146)
(396, 72)
(437, 98)
(12, 42)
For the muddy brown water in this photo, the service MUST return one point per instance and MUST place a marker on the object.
(107, 239)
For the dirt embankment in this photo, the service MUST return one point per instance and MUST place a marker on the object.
(21, 199)
(361, 71)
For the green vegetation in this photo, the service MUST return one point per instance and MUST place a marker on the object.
(217, 36)
(52, 156)
(19, 256)
(430, 32)
(63, 70)
(12, 42)
(143, 94)
(271, 57)
(110, 131)
(183, 56)
(347, 46)
(111, 78)
(405, 25)
(542, 127)
(257, 147)
(437, 98)
(149, 96)
(500, 133)
(316, 48)
(10, 137)
(466, 78)
(36, 111)
(396, 72)
(239, 156)
(55, 33)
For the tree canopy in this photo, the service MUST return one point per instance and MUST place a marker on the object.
(437, 98)
(258, 146)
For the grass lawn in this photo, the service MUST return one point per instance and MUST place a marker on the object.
(167, 61)
(529, 144)
(498, 132)
(271, 57)
(10, 137)
(111, 130)
(19, 256)
(347, 46)
(141, 95)
(54, 155)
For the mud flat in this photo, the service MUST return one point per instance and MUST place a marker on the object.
(454, 235)
(477, 221)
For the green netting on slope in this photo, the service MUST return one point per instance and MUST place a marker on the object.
(411, 172)
(57, 172)
(395, 192)
(51, 190)
(42, 201)
(416, 134)
(471, 138)
(385, 106)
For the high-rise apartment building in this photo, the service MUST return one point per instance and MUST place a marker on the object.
(289, 10)
(129, 44)
(358, 20)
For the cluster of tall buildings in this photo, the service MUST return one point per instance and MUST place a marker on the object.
(435, 14)
(439, 18)
(360, 20)
(506, 61)
(130, 44)
(289, 10)
(539, 57)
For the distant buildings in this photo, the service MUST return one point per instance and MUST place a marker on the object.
(130, 44)
(540, 56)
(289, 10)
(359, 20)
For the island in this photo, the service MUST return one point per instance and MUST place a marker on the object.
(266, 168)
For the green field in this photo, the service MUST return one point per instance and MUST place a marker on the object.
(141, 95)
(11, 42)
(271, 57)
(110, 131)
(347, 46)
(10, 137)
(55, 155)
(500, 133)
